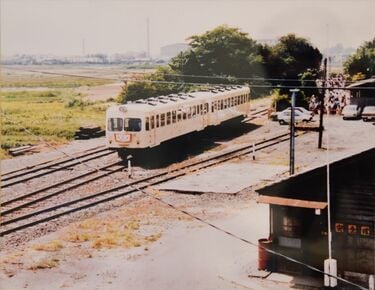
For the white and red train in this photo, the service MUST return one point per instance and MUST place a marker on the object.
(149, 122)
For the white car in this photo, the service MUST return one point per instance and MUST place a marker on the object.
(284, 117)
(351, 112)
(297, 109)
(368, 113)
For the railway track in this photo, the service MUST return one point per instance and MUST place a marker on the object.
(50, 161)
(23, 221)
(39, 195)
(256, 115)
(26, 174)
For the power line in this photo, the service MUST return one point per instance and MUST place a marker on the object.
(127, 79)
(190, 214)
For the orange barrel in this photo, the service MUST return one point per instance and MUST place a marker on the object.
(264, 257)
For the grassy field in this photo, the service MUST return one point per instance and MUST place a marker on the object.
(53, 115)
(12, 80)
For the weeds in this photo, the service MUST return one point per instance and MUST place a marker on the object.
(52, 246)
(52, 115)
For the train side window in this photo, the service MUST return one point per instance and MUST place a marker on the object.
(174, 117)
(189, 113)
(152, 122)
(168, 118)
(193, 111)
(157, 121)
(205, 108)
(212, 107)
(162, 120)
(221, 104)
(198, 110)
(147, 124)
(232, 104)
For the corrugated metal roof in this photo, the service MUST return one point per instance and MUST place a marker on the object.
(314, 177)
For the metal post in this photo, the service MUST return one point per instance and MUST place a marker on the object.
(129, 157)
(292, 129)
(321, 128)
(329, 205)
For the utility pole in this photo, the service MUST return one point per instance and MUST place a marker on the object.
(148, 39)
(83, 47)
(292, 130)
(322, 91)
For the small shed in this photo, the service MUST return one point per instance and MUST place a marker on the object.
(363, 92)
(299, 223)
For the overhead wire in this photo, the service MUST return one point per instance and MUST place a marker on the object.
(128, 79)
(190, 214)
(197, 84)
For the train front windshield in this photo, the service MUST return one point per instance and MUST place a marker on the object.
(115, 124)
(133, 124)
(129, 124)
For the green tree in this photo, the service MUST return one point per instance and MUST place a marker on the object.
(292, 56)
(293, 61)
(362, 61)
(224, 52)
(154, 84)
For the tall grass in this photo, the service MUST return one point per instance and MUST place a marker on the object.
(32, 81)
(53, 115)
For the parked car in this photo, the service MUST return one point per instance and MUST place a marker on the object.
(296, 109)
(284, 117)
(368, 113)
(351, 112)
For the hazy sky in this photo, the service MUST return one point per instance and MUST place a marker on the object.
(109, 26)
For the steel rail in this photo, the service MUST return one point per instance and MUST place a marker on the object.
(45, 163)
(178, 172)
(73, 163)
(59, 191)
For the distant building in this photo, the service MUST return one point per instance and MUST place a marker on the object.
(172, 50)
(299, 223)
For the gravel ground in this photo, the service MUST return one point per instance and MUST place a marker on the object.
(171, 250)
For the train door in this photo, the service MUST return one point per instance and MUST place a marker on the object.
(151, 131)
(205, 114)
